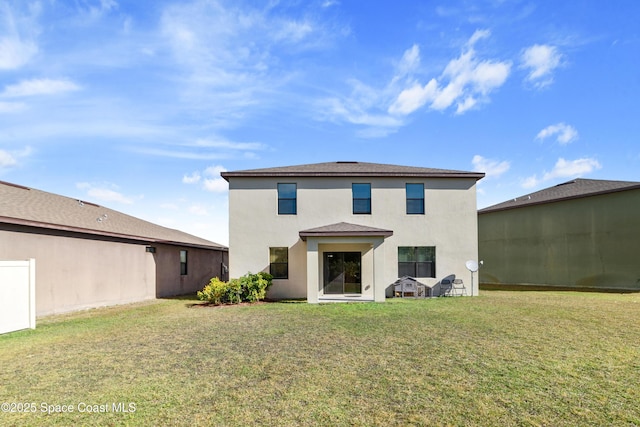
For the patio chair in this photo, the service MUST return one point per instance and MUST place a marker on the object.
(458, 288)
(446, 288)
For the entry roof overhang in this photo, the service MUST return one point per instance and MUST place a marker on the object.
(344, 229)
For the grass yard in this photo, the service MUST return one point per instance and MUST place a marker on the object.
(501, 359)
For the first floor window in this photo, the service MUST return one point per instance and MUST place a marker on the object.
(279, 262)
(183, 263)
(417, 261)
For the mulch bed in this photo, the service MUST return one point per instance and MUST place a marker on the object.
(211, 305)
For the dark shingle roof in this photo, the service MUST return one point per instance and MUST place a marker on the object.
(30, 207)
(573, 189)
(351, 169)
(344, 229)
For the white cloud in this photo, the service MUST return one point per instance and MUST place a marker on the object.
(530, 182)
(466, 104)
(355, 110)
(565, 133)
(104, 193)
(205, 149)
(212, 180)
(7, 159)
(39, 87)
(214, 170)
(105, 7)
(572, 168)
(14, 53)
(478, 35)
(491, 168)
(230, 57)
(541, 61)
(17, 35)
(191, 179)
(409, 62)
(465, 82)
(329, 3)
(11, 158)
(368, 106)
(564, 169)
(293, 32)
(470, 79)
(215, 183)
(413, 98)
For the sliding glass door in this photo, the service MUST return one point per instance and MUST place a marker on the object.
(342, 273)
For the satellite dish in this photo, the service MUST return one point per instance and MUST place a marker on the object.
(472, 266)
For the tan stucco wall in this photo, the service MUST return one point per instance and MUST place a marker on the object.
(592, 242)
(450, 224)
(76, 273)
(202, 265)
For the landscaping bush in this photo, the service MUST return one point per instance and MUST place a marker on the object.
(215, 292)
(234, 291)
(248, 288)
(254, 286)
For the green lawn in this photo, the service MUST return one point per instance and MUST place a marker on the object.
(501, 359)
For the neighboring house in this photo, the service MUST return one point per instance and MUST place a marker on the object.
(349, 230)
(88, 256)
(583, 233)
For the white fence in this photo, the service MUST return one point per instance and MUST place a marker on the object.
(17, 295)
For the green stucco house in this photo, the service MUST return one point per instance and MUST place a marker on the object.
(583, 233)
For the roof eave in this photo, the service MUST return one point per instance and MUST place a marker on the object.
(468, 175)
(191, 245)
(87, 231)
(383, 233)
(559, 199)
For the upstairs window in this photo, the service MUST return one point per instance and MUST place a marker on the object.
(361, 198)
(183, 263)
(415, 198)
(287, 203)
(279, 262)
(417, 261)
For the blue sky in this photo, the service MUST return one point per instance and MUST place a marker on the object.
(138, 106)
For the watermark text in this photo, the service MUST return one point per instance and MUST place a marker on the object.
(82, 407)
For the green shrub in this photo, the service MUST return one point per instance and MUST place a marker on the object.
(215, 292)
(254, 286)
(234, 292)
(249, 288)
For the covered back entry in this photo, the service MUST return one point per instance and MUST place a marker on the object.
(342, 273)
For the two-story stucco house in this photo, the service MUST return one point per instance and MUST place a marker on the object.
(347, 230)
